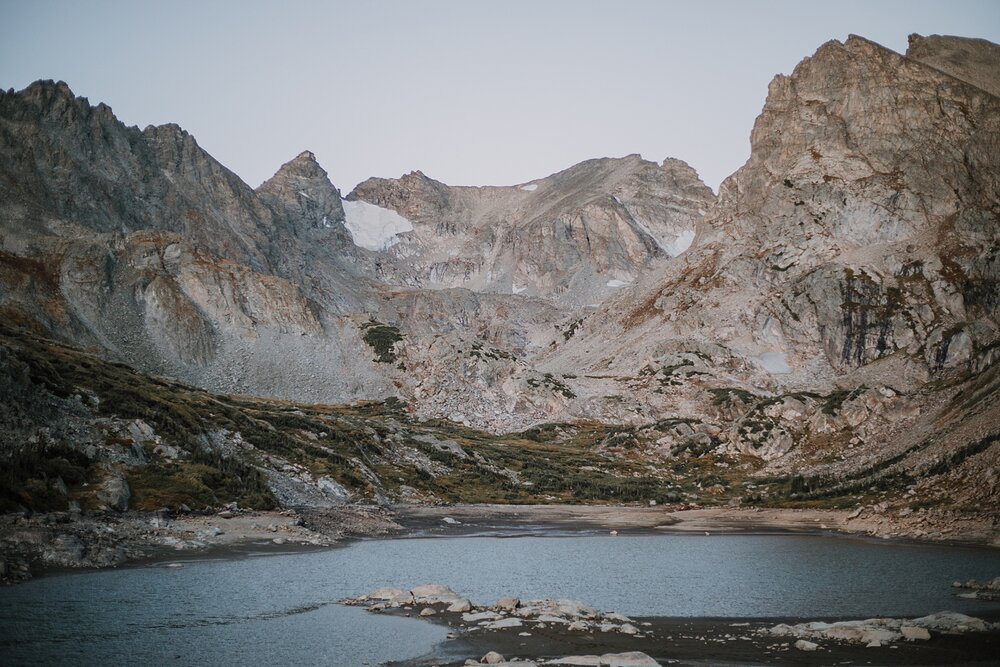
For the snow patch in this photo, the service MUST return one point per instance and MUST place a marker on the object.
(517, 290)
(530, 187)
(774, 363)
(374, 227)
(618, 283)
(303, 194)
(681, 243)
(675, 247)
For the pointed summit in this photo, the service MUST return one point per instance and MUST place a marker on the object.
(303, 165)
(302, 187)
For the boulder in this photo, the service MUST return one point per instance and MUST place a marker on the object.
(880, 635)
(427, 611)
(507, 604)
(804, 645)
(460, 606)
(431, 593)
(492, 658)
(480, 616)
(615, 616)
(951, 622)
(404, 598)
(115, 493)
(628, 659)
(914, 633)
(384, 594)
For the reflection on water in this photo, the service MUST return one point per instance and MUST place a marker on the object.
(281, 609)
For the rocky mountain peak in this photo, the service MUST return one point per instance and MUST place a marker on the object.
(46, 92)
(302, 166)
(302, 187)
(53, 100)
(867, 206)
(575, 236)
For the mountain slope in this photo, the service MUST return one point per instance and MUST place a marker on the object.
(839, 303)
(574, 236)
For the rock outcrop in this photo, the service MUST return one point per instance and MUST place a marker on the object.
(572, 237)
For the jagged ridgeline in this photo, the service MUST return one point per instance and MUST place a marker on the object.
(823, 331)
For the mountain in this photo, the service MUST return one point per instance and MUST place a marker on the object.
(572, 237)
(823, 331)
(139, 243)
(838, 309)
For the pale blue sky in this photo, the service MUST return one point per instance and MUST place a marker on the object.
(471, 93)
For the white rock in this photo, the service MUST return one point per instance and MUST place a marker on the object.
(913, 633)
(628, 629)
(577, 661)
(430, 593)
(615, 616)
(804, 645)
(628, 659)
(460, 606)
(480, 616)
(384, 594)
(507, 604)
(492, 658)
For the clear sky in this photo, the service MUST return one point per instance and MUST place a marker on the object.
(469, 92)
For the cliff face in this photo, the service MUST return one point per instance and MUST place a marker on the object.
(843, 289)
(863, 225)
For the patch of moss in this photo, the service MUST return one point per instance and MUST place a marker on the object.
(382, 338)
(29, 477)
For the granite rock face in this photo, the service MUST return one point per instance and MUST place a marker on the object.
(853, 257)
(863, 225)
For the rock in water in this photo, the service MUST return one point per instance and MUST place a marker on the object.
(460, 606)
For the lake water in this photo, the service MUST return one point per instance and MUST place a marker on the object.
(282, 609)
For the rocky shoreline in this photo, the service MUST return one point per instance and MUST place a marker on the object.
(36, 544)
(528, 633)
(872, 521)
(31, 544)
(515, 631)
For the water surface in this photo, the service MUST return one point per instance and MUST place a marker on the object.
(281, 609)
